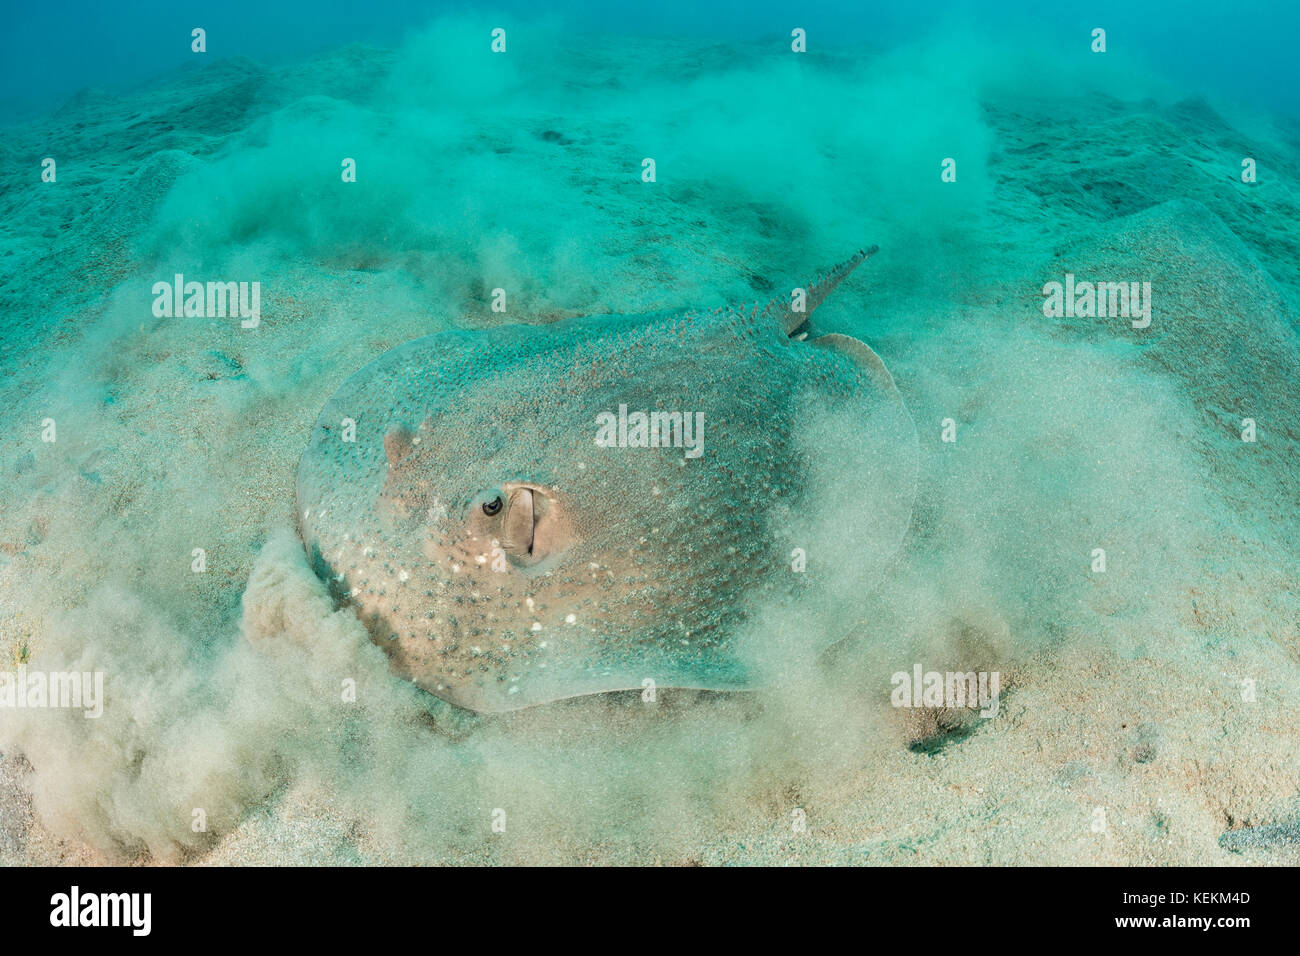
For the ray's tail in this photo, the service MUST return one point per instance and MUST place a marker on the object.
(792, 320)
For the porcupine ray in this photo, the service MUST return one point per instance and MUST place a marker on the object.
(512, 531)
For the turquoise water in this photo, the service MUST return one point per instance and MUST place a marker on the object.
(1242, 50)
(987, 150)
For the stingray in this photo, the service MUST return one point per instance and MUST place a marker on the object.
(689, 499)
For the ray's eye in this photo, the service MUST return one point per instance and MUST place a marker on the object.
(492, 507)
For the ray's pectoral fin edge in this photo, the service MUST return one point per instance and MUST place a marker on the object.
(861, 353)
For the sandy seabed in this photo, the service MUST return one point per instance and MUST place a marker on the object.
(1146, 710)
